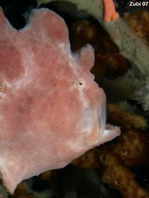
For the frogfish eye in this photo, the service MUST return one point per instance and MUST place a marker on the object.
(80, 84)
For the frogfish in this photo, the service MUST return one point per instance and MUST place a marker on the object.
(51, 109)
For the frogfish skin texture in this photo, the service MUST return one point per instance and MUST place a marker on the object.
(51, 110)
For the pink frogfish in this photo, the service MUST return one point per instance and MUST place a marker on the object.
(51, 109)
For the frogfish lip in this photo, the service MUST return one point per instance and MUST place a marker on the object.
(107, 132)
(99, 124)
(102, 132)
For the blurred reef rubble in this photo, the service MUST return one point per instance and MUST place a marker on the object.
(118, 169)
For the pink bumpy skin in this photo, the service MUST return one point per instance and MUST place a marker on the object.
(51, 110)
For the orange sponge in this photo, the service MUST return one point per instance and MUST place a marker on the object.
(109, 11)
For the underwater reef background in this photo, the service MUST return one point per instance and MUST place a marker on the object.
(118, 169)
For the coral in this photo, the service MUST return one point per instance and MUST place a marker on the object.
(88, 160)
(114, 160)
(21, 192)
(131, 148)
(3, 192)
(124, 118)
(139, 23)
(120, 177)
